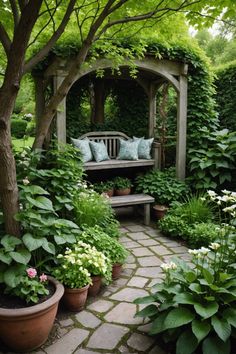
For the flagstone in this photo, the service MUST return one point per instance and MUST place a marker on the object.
(150, 272)
(69, 342)
(149, 261)
(138, 282)
(142, 251)
(138, 236)
(101, 305)
(123, 313)
(128, 294)
(87, 319)
(140, 342)
(107, 336)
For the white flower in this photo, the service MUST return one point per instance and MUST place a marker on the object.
(204, 250)
(225, 191)
(194, 252)
(214, 246)
(168, 266)
(25, 181)
(211, 193)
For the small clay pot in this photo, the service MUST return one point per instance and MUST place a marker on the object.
(75, 299)
(159, 211)
(116, 270)
(124, 191)
(96, 286)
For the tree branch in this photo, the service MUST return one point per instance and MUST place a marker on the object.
(5, 39)
(44, 51)
(15, 13)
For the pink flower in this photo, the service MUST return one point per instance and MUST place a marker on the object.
(31, 272)
(43, 278)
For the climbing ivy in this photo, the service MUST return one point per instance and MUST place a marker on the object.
(225, 95)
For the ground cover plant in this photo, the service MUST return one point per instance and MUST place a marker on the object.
(195, 306)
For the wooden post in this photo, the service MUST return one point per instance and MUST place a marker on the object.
(152, 110)
(61, 112)
(181, 128)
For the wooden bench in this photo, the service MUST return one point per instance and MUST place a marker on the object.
(134, 199)
(111, 140)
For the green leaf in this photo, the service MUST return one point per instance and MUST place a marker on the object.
(148, 311)
(208, 276)
(178, 317)
(60, 240)
(21, 256)
(206, 310)
(230, 316)
(184, 299)
(41, 203)
(158, 324)
(214, 345)
(5, 257)
(33, 189)
(190, 276)
(196, 288)
(144, 300)
(68, 223)
(49, 247)
(31, 242)
(222, 328)
(12, 275)
(200, 329)
(10, 242)
(187, 343)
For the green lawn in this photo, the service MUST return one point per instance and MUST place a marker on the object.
(19, 144)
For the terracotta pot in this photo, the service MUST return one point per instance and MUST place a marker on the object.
(116, 270)
(159, 211)
(74, 299)
(26, 329)
(110, 192)
(124, 191)
(95, 287)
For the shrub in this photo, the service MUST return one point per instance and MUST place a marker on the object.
(122, 183)
(174, 226)
(202, 234)
(18, 127)
(162, 185)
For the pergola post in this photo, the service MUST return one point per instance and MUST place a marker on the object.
(181, 128)
(152, 109)
(61, 112)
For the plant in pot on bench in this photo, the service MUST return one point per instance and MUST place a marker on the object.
(105, 187)
(164, 187)
(122, 185)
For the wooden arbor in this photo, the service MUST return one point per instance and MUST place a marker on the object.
(156, 72)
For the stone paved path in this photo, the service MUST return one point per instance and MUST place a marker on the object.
(107, 325)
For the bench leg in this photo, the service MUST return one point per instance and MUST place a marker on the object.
(146, 214)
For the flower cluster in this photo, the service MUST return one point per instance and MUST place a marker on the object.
(168, 266)
(78, 264)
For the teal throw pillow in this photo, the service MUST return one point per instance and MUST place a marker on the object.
(99, 151)
(83, 146)
(144, 148)
(128, 150)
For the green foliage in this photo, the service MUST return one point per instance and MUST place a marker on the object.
(122, 182)
(103, 186)
(174, 226)
(93, 209)
(213, 163)
(18, 127)
(162, 185)
(95, 236)
(202, 234)
(225, 93)
(194, 304)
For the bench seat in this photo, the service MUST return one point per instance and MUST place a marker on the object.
(113, 163)
(134, 199)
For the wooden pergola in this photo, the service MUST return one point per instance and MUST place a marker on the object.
(152, 73)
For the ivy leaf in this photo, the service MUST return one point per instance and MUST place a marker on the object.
(200, 329)
(206, 310)
(222, 328)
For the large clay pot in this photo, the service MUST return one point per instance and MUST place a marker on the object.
(124, 191)
(96, 286)
(26, 329)
(75, 299)
(159, 211)
(116, 270)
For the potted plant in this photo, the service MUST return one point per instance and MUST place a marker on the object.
(164, 187)
(72, 272)
(27, 327)
(106, 187)
(122, 185)
(111, 248)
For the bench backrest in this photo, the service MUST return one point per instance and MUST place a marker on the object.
(110, 139)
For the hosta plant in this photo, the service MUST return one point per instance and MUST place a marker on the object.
(195, 305)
